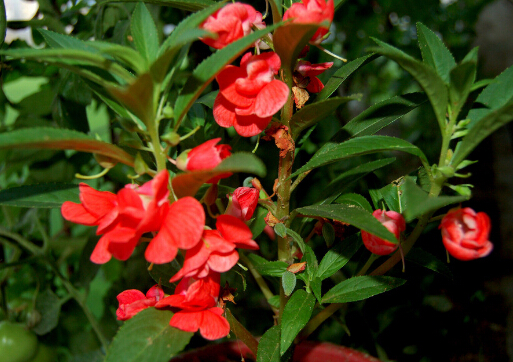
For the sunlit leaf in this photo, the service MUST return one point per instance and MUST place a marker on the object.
(338, 256)
(144, 32)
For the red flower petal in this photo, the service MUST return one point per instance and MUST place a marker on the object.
(221, 263)
(98, 203)
(78, 214)
(187, 321)
(248, 126)
(101, 254)
(224, 112)
(213, 325)
(271, 98)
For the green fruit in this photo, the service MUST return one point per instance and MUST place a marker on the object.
(16, 343)
(45, 354)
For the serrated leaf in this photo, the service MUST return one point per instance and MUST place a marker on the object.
(345, 179)
(380, 115)
(355, 199)
(316, 112)
(289, 40)
(338, 256)
(63, 41)
(350, 214)
(296, 314)
(48, 304)
(280, 229)
(342, 74)
(210, 67)
(270, 268)
(426, 76)
(144, 32)
(417, 202)
(288, 282)
(147, 337)
(462, 78)
(427, 260)
(269, 345)
(315, 286)
(311, 262)
(61, 139)
(40, 195)
(434, 52)
(188, 183)
(188, 5)
(241, 333)
(360, 288)
(358, 147)
(298, 239)
(123, 54)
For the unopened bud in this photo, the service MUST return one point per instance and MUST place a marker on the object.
(140, 166)
(171, 138)
(168, 111)
(181, 161)
(105, 161)
(211, 195)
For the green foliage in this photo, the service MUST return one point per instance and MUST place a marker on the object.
(360, 288)
(296, 314)
(41, 196)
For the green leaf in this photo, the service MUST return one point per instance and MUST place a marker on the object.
(360, 288)
(338, 3)
(40, 195)
(358, 147)
(298, 239)
(208, 69)
(289, 40)
(144, 33)
(123, 54)
(350, 214)
(48, 304)
(316, 112)
(270, 268)
(462, 78)
(188, 183)
(3, 22)
(418, 202)
(61, 139)
(288, 282)
(280, 229)
(269, 346)
(427, 260)
(241, 333)
(277, 10)
(311, 262)
(338, 256)
(495, 96)
(258, 222)
(188, 5)
(355, 199)
(296, 314)
(426, 76)
(381, 114)
(161, 273)
(434, 52)
(328, 233)
(137, 97)
(345, 179)
(342, 74)
(62, 41)
(316, 286)
(147, 337)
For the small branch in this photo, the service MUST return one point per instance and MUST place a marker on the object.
(34, 249)
(298, 180)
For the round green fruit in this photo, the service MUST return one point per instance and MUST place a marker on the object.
(16, 343)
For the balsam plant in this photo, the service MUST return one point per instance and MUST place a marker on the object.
(174, 147)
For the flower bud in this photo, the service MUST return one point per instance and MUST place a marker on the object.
(394, 222)
(465, 234)
(243, 203)
(171, 138)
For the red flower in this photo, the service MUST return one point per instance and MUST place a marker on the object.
(243, 204)
(205, 157)
(231, 23)
(465, 234)
(121, 218)
(198, 303)
(249, 96)
(133, 301)
(394, 222)
(217, 251)
(312, 12)
(306, 73)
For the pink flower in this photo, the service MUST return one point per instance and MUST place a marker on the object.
(205, 157)
(249, 95)
(394, 222)
(231, 23)
(122, 218)
(312, 12)
(198, 303)
(305, 75)
(217, 251)
(133, 301)
(465, 234)
(243, 204)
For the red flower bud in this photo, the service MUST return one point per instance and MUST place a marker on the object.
(243, 204)
(133, 301)
(465, 234)
(394, 222)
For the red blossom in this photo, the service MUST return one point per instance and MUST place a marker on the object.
(312, 12)
(133, 301)
(205, 157)
(465, 234)
(197, 300)
(122, 218)
(243, 204)
(231, 23)
(306, 72)
(249, 95)
(217, 251)
(394, 222)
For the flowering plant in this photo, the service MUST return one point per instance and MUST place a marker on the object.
(197, 207)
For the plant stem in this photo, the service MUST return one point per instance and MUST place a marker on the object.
(34, 249)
